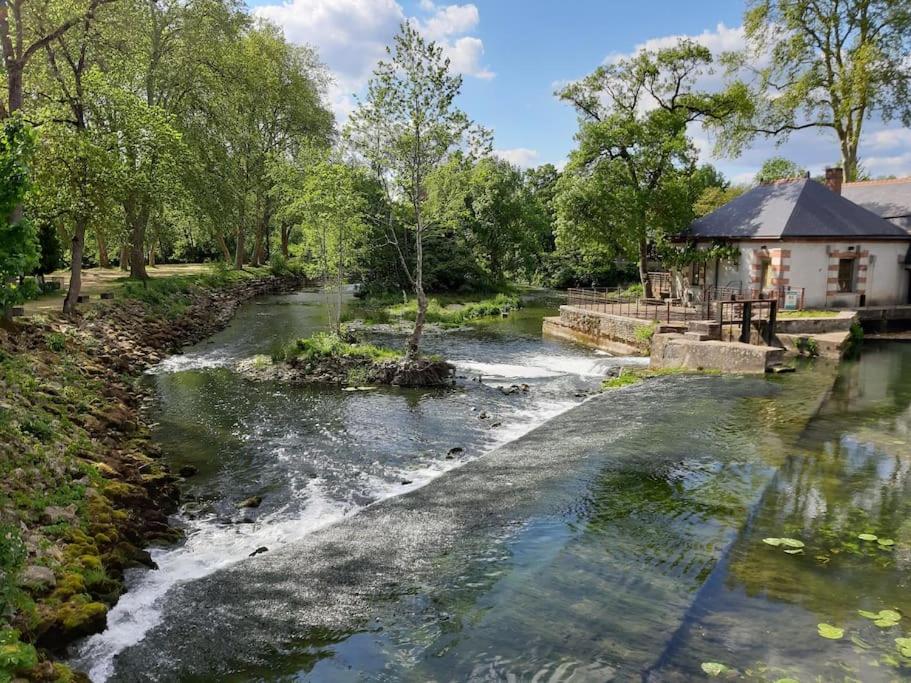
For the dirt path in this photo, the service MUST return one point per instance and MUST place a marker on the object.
(98, 280)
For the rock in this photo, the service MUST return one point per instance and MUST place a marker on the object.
(54, 514)
(405, 482)
(482, 415)
(495, 424)
(37, 577)
(188, 471)
(259, 551)
(251, 502)
(455, 451)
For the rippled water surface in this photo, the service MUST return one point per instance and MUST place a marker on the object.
(642, 559)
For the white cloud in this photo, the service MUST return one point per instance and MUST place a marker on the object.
(465, 57)
(351, 37)
(722, 39)
(447, 20)
(520, 156)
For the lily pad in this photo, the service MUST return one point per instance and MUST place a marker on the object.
(904, 646)
(885, 542)
(830, 632)
(792, 542)
(713, 668)
(794, 551)
(772, 541)
(884, 618)
(787, 680)
(867, 537)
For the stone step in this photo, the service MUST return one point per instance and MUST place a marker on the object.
(710, 328)
(697, 336)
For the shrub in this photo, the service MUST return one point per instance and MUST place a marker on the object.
(645, 333)
(56, 341)
(326, 345)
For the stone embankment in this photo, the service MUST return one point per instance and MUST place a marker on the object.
(83, 491)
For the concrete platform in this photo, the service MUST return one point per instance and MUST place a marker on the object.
(679, 351)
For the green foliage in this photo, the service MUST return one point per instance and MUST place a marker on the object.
(808, 346)
(633, 181)
(779, 168)
(12, 558)
(823, 65)
(15, 656)
(645, 333)
(18, 242)
(690, 252)
(326, 345)
(457, 313)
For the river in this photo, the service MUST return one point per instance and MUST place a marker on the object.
(574, 537)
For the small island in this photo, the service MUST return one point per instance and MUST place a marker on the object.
(331, 358)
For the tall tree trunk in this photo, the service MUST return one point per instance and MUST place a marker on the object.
(258, 247)
(413, 349)
(643, 268)
(152, 255)
(137, 219)
(223, 245)
(239, 254)
(77, 249)
(103, 259)
(286, 238)
(125, 256)
(849, 160)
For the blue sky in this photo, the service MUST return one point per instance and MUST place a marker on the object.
(514, 53)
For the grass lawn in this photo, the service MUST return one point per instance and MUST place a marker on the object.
(98, 280)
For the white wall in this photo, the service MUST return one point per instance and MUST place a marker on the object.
(886, 277)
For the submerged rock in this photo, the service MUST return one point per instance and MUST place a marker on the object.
(251, 502)
(259, 551)
(188, 471)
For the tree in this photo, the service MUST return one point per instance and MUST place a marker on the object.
(779, 168)
(627, 186)
(404, 128)
(34, 24)
(825, 64)
(321, 196)
(18, 243)
(488, 206)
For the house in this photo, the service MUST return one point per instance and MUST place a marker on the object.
(802, 242)
(890, 199)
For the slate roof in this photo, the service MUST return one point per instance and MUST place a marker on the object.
(800, 208)
(886, 198)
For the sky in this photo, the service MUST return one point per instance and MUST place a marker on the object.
(513, 54)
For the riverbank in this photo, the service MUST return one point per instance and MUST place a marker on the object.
(82, 490)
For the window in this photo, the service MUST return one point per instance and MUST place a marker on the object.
(846, 275)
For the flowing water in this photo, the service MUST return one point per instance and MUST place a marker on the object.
(617, 537)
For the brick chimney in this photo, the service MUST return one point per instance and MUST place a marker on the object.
(834, 178)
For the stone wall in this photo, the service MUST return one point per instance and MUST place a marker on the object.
(676, 351)
(607, 327)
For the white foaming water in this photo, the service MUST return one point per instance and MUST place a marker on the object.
(543, 366)
(217, 358)
(211, 546)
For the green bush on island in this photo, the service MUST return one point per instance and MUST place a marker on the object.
(327, 345)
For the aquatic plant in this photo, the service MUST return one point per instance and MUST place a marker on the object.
(830, 632)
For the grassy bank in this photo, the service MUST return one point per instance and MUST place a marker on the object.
(82, 491)
(450, 310)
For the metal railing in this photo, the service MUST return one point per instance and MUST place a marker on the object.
(726, 306)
